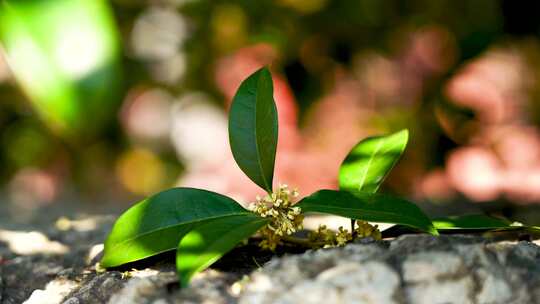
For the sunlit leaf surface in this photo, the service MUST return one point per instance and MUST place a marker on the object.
(157, 223)
(207, 242)
(370, 161)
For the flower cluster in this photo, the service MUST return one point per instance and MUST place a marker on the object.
(343, 236)
(326, 238)
(322, 236)
(284, 218)
(365, 229)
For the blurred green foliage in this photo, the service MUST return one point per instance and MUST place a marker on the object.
(64, 55)
(402, 57)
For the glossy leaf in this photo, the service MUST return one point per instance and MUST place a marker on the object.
(370, 161)
(368, 207)
(253, 128)
(209, 241)
(157, 224)
(472, 221)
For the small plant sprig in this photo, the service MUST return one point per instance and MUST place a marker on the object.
(202, 225)
(285, 219)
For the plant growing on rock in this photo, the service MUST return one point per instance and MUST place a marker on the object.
(202, 226)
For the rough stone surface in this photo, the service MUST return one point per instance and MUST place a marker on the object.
(409, 269)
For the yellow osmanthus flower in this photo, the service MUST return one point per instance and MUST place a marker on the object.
(285, 219)
(365, 229)
(324, 237)
(343, 236)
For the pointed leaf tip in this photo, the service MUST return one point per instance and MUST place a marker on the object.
(253, 128)
(368, 164)
(208, 242)
(472, 222)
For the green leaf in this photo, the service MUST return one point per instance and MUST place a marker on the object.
(157, 224)
(370, 161)
(534, 230)
(368, 207)
(253, 128)
(472, 221)
(207, 242)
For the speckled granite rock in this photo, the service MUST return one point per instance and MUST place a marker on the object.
(409, 269)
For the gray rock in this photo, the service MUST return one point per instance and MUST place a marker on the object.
(136, 290)
(409, 269)
(96, 288)
(24, 273)
(428, 266)
(412, 269)
(54, 292)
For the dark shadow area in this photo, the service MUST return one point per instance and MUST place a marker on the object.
(246, 258)
(243, 259)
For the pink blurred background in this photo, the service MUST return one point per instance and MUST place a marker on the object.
(462, 77)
